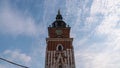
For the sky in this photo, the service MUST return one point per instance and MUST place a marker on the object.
(95, 27)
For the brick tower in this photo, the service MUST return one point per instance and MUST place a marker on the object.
(59, 50)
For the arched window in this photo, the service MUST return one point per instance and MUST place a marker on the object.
(59, 47)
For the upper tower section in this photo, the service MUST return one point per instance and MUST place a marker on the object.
(59, 23)
(58, 28)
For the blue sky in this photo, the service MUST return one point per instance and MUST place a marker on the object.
(95, 28)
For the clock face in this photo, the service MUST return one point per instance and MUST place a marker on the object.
(58, 32)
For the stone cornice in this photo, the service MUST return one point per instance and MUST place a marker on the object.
(59, 39)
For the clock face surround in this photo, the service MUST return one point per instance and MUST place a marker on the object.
(59, 32)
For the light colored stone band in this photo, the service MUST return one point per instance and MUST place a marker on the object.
(59, 39)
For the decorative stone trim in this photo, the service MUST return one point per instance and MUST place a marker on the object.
(59, 39)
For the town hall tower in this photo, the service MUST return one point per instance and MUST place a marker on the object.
(59, 50)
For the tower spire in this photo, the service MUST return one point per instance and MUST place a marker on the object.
(59, 16)
(59, 12)
(59, 23)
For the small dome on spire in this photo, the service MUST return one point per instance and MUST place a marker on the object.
(59, 23)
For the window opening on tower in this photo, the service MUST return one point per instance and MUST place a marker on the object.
(60, 66)
(59, 47)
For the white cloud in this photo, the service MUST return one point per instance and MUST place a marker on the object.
(106, 59)
(14, 22)
(109, 24)
(1, 66)
(103, 54)
(38, 54)
(105, 6)
(22, 57)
